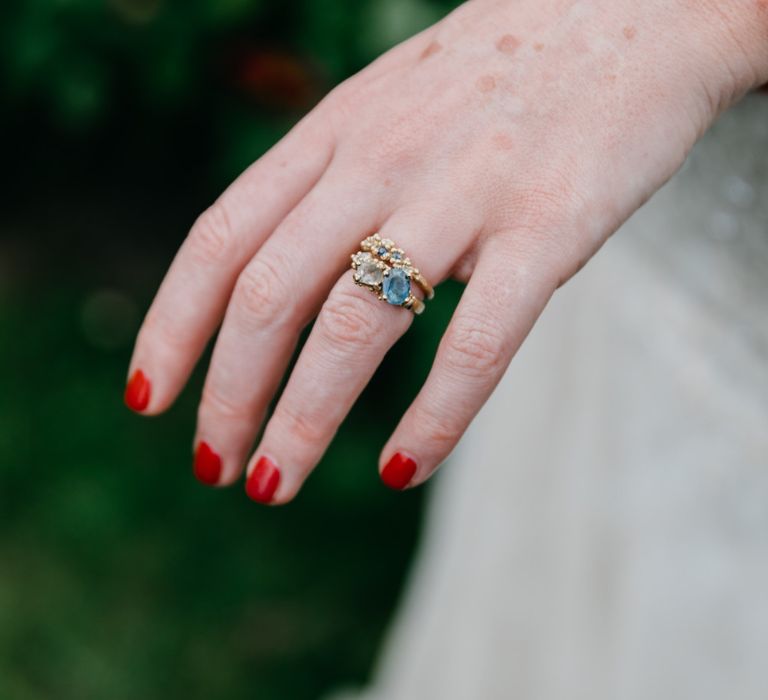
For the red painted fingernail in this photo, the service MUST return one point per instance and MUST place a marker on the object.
(398, 472)
(207, 465)
(137, 392)
(263, 481)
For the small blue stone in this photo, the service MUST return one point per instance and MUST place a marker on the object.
(397, 287)
(395, 256)
(382, 251)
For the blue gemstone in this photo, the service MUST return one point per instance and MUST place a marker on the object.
(397, 287)
(382, 251)
(395, 256)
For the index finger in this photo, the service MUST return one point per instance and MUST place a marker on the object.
(193, 296)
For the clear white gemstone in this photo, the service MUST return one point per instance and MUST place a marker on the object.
(370, 273)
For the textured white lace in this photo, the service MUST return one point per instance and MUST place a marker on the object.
(602, 532)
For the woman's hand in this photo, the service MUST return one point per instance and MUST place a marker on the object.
(502, 146)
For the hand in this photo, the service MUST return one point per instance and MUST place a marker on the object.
(502, 146)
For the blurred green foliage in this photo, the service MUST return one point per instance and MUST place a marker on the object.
(80, 57)
(120, 576)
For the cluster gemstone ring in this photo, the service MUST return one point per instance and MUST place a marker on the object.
(387, 271)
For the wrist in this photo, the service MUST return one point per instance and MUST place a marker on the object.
(736, 37)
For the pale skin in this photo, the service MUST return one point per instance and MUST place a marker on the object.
(502, 147)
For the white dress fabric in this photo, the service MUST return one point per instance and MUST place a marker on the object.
(602, 531)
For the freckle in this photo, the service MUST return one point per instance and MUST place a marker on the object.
(387, 183)
(503, 141)
(284, 164)
(432, 49)
(538, 47)
(611, 78)
(486, 83)
(549, 77)
(508, 44)
(630, 33)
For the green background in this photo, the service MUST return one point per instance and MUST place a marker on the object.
(120, 576)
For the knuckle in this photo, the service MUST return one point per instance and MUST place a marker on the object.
(474, 348)
(262, 293)
(549, 204)
(214, 403)
(391, 152)
(212, 235)
(397, 149)
(161, 331)
(301, 426)
(349, 321)
(438, 429)
(339, 104)
(546, 228)
(541, 208)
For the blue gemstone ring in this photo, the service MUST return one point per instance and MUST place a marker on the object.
(387, 271)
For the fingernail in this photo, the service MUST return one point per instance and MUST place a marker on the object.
(398, 472)
(207, 465)
(263, 481)
(137, 392)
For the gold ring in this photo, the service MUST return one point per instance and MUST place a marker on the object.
(387, 271)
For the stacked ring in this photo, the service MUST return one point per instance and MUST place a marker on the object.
(387, 271)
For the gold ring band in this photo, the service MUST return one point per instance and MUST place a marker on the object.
(387, 271)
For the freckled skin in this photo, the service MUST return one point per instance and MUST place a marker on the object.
(431, 50)
(538, 47)
(486, 83)
(508, 44)
(503, 141)
(630, 33)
